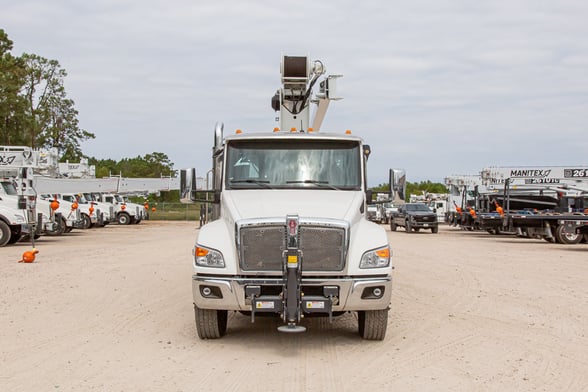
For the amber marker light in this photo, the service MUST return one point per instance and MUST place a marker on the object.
(54, 205)
(123, 207)
(383, 253)
(310, 130)
(74, 206)
(238, 131)
(292, 129)
(348, 132)
(276, 129)
(200, 252)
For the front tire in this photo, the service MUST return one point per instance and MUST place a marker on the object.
(87, 222)
(210, 323)
(435, 229)
(372, 324)
(5, 233)
(408, 226)
(123, 218)
(59, 229)
(392, 225)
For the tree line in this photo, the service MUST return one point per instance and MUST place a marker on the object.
(414, 188)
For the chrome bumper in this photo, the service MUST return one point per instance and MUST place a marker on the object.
(230, 291)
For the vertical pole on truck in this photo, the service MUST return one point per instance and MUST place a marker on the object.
(292, 276)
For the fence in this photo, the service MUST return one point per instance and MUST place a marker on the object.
(174, 211)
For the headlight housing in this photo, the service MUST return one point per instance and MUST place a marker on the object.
(206, 257)
(376, 258)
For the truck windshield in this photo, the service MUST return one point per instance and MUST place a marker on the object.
(9, 188)
(293, 164)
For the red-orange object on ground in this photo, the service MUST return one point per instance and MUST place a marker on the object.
(29, 256)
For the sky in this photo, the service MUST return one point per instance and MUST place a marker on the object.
(435, 87)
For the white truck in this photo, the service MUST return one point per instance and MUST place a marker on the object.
(125, 213)
(289, 235)
(13, 224)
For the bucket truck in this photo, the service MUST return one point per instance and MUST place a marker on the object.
(289, 235)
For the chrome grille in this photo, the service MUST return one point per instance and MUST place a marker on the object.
(261, 247)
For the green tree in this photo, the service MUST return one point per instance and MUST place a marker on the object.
(413, 188)
(52, 118)
(152, 165)
(12, 103)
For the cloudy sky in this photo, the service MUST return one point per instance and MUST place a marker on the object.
(435, 87)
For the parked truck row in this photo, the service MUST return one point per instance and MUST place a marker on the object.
(31, 208)
(57, 214)
(546, 202)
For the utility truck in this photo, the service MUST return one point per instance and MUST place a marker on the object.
(288, 235)
(124, 213)
(13, 224)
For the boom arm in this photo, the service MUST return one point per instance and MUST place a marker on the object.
(293, 100)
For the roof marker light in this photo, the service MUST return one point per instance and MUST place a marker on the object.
(238, 131)
(348, 132)
(276, 129)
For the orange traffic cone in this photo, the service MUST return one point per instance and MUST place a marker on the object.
(29, 256)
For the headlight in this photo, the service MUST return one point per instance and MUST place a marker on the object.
(208, 257)
(377, 258)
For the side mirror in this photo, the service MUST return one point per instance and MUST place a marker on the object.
(368, 196)
(397, 182)
(366, 151)
(187, 185)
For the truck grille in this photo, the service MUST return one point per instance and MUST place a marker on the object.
(323, 247)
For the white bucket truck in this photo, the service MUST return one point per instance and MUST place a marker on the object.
(289, 235)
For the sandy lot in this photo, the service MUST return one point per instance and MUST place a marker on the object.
(110, 310)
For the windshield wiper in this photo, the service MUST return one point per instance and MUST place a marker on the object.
(322, 184)
(263, 183)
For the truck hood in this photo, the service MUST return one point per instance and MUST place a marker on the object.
(332, 204)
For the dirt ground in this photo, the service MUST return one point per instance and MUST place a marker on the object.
(111, 310)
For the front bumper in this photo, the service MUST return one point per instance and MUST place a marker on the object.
(228, 292)
(423, 225)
